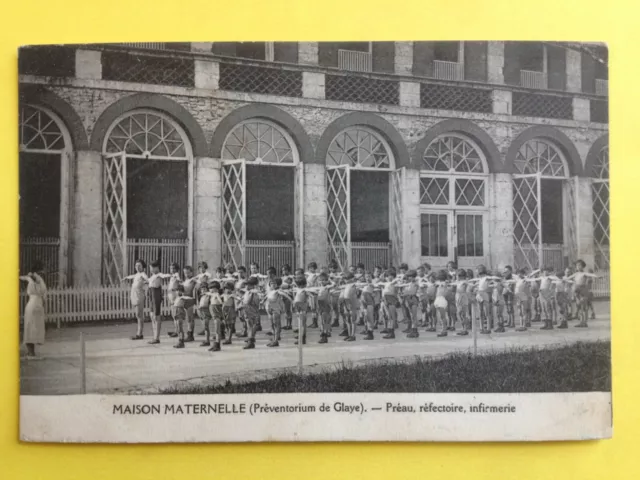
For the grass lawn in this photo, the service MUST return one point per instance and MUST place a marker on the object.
(580, 367)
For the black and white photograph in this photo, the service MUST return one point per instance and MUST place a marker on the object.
(314, 241)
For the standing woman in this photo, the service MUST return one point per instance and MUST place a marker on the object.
(138, 282)
(34, 311)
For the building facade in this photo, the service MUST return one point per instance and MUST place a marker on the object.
(382, 152)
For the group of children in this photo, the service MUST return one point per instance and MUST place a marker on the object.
(445, 301)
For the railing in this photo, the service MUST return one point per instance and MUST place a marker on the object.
(148, 45)
(167, 251)
(531, 79)
(89, 303)
(42, 249)
(448, 70)
(601, 287)
(602, 86)
(354, 61)
(371, 254)
(527, 255)
(270, 253)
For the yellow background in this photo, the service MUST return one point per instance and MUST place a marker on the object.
(614, 21)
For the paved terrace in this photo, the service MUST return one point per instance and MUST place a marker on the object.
(115, 364)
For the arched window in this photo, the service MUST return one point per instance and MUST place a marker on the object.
(541, 156)
(148, 177)
(544, 211)
(262, 204)
(360, 147)
(358, 161)
(260, 141)
(600, 198)
(453, 196)
(45, 148)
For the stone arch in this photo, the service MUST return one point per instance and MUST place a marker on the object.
(379, 124)
(268, 112)
(594, 151)
(547, 133)
(155, 102)
(469, 129)
(37, 95)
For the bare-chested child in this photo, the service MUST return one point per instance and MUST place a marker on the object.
(301, 307)
(472, 292)
(462, 302)
(423, 301)
(452, 271)
(547, 297)
(523, 298)
(287, 284)
(563, 286)
(172, 293)
(389, 304)
(509, 285)
(377, 296)
(498, 301)
(581, 292)
(351, 305)
(274, 303)
(323, 298)
(367, 302)
(430, 290)
(441, 303)
(409, 296)
(483, 297)
(215, 311)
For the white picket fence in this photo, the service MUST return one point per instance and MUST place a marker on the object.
(602, 285)
(164, 250)
(89, 303)
(43, 249)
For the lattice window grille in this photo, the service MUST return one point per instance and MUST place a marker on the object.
(147, 135)
(155, 70)
(434, 191)
(39, 131)
(254, 79)
(538, 156)
(361, 89)
(233, 213)
(601, 232)
(601, 165)
(259, 142)
(470, 192)
(601, 212)
(449, 97)
(526, 225)
(452, 153)
(338, 221)
(115, 219)
(540, 105)
(359, 148)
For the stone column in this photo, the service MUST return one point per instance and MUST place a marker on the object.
(502, 101)
(495, 62)
(500, 224)
(574, 70)
(581, 109)
(409, 94)
(313, 85)
(308, 53)
(201, 47)
(89, 64)
(207, 211)
(403, 59)
(411, 228)
(85, 240)
(315, 214)
(584, 221)
(207, 74)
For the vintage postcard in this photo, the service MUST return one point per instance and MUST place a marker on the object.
(314, 241)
